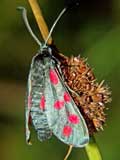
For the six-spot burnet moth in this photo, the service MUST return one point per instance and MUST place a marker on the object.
(49, 104)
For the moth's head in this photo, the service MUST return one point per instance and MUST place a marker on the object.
(46, 50)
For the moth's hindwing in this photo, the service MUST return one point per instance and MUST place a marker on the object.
(64, 118)
(36, 101)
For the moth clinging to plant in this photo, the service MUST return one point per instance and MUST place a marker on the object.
(49, 103)
(60, 88)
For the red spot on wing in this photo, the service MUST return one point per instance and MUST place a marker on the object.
(53, 77)
(67, 131)
(58, 104)
(67, 97)
(42, 103)
(74, 119)
(29, 101)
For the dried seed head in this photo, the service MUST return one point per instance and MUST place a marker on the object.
(92, 95)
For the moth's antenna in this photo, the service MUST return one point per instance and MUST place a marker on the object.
(24, 14)
(68, 4)
(54, 24)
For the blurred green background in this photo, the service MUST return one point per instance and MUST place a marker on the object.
(92, 30)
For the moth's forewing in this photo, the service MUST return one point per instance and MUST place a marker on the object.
(52, 108)
(36, 82)
(64, 118)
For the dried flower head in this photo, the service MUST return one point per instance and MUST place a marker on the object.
(88, 94)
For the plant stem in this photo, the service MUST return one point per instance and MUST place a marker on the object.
(92, 150)
(40, 20)
(68, 153)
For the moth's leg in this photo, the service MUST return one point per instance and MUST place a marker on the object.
(72, 91)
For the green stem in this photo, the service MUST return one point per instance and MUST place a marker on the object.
(92, 150)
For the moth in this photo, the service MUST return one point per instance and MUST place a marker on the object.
(49, 104)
